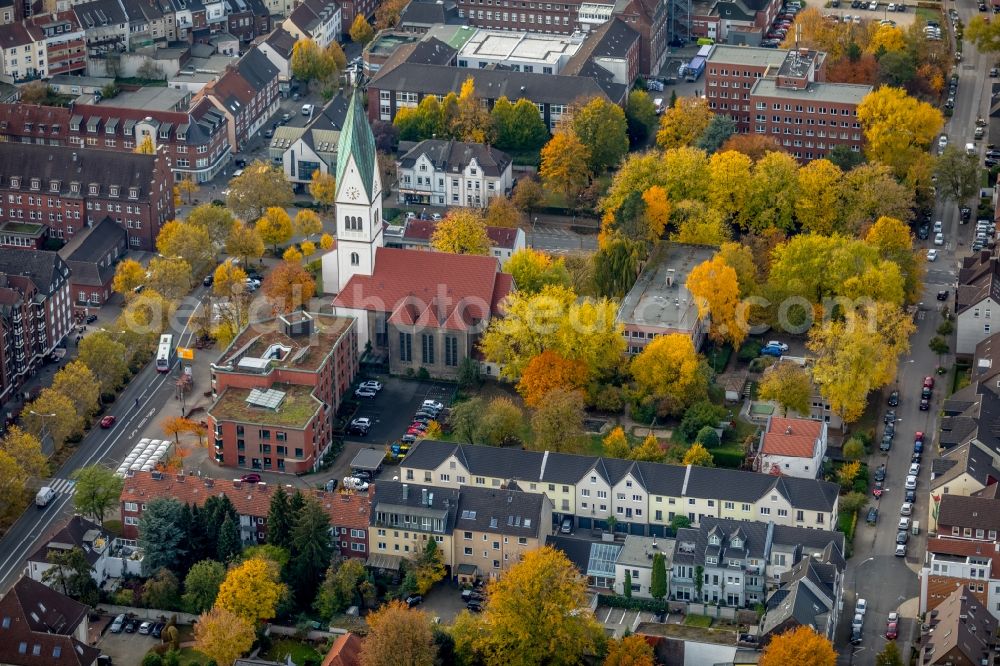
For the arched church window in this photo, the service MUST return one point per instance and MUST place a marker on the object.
(355, 259)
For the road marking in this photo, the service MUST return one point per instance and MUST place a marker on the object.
(60, 485)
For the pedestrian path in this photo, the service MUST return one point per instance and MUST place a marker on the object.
(64, 486)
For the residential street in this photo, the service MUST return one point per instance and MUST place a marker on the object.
(874, 572)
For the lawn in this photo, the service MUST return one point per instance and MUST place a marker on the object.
(300, 653)
(929, 14)
(702, 621)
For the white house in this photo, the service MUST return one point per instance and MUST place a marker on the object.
(792, 447)
(108, 558)
(976, 301)
(453, 173)
(303, 151)
(319, 20)
(636, 557)
(278, 49)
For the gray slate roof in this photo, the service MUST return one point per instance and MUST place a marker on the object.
(65, 164)
(258, 71)
(509, 512)
(45, 269)
(451, 155)
(84, 260)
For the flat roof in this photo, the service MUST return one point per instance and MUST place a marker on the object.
(153, 98)
(295, 410)
(660, 298)
(798, 62)
(836, 93)
(368, 459)
(523, 46)
(203, 70)
(753, 56)
(268, 339)
(387, 43)
(639, 550)
(454, 36)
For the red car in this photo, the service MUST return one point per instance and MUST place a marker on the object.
(918, 436)
(250, 478)
(108, 421)
(422, 427)
(928, 382)
(892, 631)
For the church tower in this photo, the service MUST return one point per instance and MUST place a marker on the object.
(358, 202)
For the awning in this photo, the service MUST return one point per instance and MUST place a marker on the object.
(129, 124)
(182, 130)
(93, 123)
(384, 561)
(466, 569)
(74, 122)
(165, 130)
(111, 125)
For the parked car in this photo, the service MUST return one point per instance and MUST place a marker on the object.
(108, 421)
(118, 624)
(910, 496)
(567, 526)
(943, 295)
(145, 628)
(886, 443)
(250, 478)
(932, 254)
(433, 404)
(911, 483)
(861, 606)
(768, 350)
(915, 469)
(904, 524)
(372, 384)
(918, 446)
(475, 606)
(780, 345)
(901, 550)
(925, 404)
(894, 399)
(856, 636)
(877, 489)
(880, 473)
(157, 630)
(890, 416)
(131, 624)
(928, 382)
(414, 600)
(858, 621)
(939, 239)
(902, 537)
(872, 516)
(365, 393)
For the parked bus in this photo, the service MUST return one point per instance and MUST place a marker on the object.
(165, 353)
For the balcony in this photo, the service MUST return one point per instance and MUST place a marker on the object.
(218, 443)
(219, 457)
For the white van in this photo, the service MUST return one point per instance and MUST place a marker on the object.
(970, 148)
(307, 109)
(44, 496)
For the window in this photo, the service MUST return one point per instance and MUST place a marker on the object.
(451, 350)
(355, 259)
(427, 348)
(405, 347)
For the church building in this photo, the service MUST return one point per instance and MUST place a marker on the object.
(417, 309)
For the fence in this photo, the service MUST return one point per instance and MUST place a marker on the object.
(147, 613)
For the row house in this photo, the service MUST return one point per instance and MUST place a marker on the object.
(963, 470)
(277, 388)
(959, 633)
(809, 595)
(613, 47)
(642, 497)
(975, 299)
(453, 173)
(405, 84)
(43, 46)
(68, 189)
(480, 532)
(36, 314)
(277, 46)
(247, 19)
(194, 143)
(742, 561)
(247, 95)
(106, 28)
(251, 500)
(972, 518)
(147, 23)
(318, 20)
(951, 564)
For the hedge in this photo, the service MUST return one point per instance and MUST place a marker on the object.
(724, 458)
(633, 603)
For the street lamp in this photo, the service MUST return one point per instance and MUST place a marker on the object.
(41, 431)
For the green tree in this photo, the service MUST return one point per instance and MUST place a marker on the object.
(340, 587)
(640, 116)
(719, 129)
(76, 382)
(707, 437)
(97, 491)
(957, 174)
(854, 449)
(616, 266)
(229, 543)
(698, 416)
(280, 519)
(602, 128)
(889, 656)
(429, 567)
(201, 585)
(939, 346)
(161, 591)
(361, 32)
(502, 423)
(680, 522)
(533, 269)
(558, 423)
(627, 585)
(658, 577)
(518, 125)
(159, 536)
(311, 550)
(259, 187)
(465, 419)
(72, 575)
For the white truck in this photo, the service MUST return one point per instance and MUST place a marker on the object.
(44, 496)
(354, 483)
(970, 149)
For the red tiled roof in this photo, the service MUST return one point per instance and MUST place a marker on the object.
(504, 237)
(437, 289)
(346, 651)
(250, 499)
(945, 546)
(791, 437)
(44, 620)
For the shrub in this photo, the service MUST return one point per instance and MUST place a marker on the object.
(708, 438)
(422, 374)
(749, 350)
(152, 659)
(605, 397)
(726, 458)
(643, 410)
(633, 603)
(698, 416)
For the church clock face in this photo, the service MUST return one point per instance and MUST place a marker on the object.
(353, 193)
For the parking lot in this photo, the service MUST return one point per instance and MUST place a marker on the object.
(902, 19)
(392, 409)
(617, 620)
(126, 649)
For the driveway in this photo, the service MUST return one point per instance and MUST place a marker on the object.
(444, 601)
(618, 620)
(391, 411)
(126, 649)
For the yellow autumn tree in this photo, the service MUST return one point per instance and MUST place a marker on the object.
(323, 188)
(462, 231)
(670, 370)
(684, 122)
(898, 128)
(615, 444)
(817, 207)
(564, 165)
(275, 227)
(223, 635)
(657, 212)
(729, 173)
(801, 645)
(716, 291)
(129, 274)
(699, 456)
(252, 590)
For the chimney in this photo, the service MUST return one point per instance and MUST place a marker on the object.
(423, 496)
(406, 492)
(788, 430)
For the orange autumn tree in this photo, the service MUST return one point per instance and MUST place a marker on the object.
(799, 646)
(657, 211)
(716, 290)
(288, 287)
(547, 371)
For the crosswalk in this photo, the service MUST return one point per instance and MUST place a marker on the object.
(63, 486)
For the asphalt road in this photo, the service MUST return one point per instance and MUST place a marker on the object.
(560, 239)
(886, 582)
(152, 390)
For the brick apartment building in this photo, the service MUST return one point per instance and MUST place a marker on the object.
(195, 143)
(783, 94)
(247, 95)
(68, 189)
(247, 19)
(35, 313)
(92, 258)
(952, 564)
(737, 23)
(347, 510)
(277, 388)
